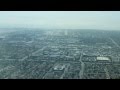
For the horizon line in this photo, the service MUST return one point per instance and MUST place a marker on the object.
(57, 28)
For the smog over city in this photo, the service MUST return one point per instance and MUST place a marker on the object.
(59, 44)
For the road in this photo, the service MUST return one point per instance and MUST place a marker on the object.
(46, 73)
(7, 59)
(39, 50)
(114, 42)
(24, 58)
(6, 68)
(66, 70)
(29, 72)
(107, 73)
(82, 66)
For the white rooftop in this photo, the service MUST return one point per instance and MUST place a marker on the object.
(59, 67)
(103, 58)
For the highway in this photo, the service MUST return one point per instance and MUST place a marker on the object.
(82, 66)
(114, 42)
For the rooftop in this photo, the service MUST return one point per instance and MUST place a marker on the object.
(103, 58)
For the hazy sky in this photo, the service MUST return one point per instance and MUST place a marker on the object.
(61, 19)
